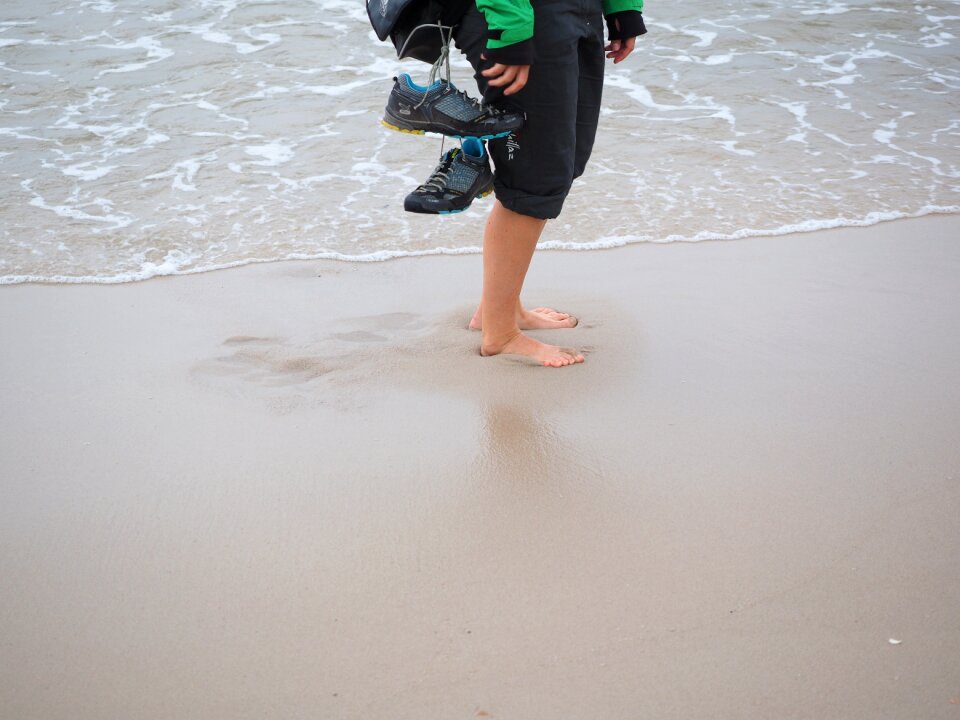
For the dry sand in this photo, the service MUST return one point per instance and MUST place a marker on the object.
(295, 491)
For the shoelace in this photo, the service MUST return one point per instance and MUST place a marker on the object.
(484, 109)
(444, 61)
(438, 181)
(480, 106)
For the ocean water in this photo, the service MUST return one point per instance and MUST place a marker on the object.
(161, 136)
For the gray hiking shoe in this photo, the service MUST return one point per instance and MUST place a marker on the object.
(441, 108)
(462, 175)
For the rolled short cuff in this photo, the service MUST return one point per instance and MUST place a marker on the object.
(542, 207)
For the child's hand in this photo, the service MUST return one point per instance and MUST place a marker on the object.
(514, 77)
(619, 49)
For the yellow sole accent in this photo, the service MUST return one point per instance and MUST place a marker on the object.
(483, 195)
(398, 129)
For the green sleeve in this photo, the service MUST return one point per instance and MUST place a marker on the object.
(509, 21)
(510, 26)
(615, 6)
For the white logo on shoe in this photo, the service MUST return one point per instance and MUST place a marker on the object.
(405, 110)
(383, 7)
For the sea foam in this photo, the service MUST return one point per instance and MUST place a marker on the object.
(162, 140)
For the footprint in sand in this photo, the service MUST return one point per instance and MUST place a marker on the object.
(266, 361)
(350, 348)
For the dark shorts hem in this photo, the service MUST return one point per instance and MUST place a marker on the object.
(542, 207)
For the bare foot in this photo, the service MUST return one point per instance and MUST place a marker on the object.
(547, 355)
(540, 318)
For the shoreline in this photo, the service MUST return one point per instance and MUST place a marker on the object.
(611, 243)
(295, 489)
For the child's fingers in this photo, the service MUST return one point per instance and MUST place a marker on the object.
(506, 76)
(510, 77)
(620, 54)
(519, 81)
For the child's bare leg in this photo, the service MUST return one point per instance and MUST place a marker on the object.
(509, 240)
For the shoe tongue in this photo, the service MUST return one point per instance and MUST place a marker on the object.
(473, 148)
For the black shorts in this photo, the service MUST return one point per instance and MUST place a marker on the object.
(535, 166)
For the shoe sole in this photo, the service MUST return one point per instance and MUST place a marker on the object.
(417, 131)
(449, 212)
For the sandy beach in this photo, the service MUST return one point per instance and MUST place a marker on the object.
(294, 490)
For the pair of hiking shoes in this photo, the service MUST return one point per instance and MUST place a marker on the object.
(463, 173)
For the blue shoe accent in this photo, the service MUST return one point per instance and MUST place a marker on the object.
(473, 147)
(421, 88)
(482, 137)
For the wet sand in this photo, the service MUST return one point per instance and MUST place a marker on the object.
(295, 490)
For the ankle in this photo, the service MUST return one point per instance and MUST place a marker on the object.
(493, 343)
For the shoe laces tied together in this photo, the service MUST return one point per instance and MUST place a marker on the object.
(443, 61)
